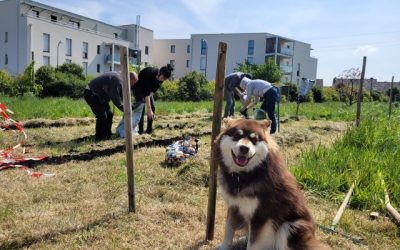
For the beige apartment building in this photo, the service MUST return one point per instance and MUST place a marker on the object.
(200, 53)
(33, 31)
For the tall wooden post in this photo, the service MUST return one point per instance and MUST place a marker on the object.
(391, 97)
(360, 92)
(126, 89)
(216, 129)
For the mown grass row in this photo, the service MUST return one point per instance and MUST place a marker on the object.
(55, 108)
(359, 156)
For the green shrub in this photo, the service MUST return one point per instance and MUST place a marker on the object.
(396, 91)
(376, 96)
(25, 83)
(169, 91)
(72, 69)
(330, 94)
(318, 94)
(5, 82)
(293, 91)
(190, 86)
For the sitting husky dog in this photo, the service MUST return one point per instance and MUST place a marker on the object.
(262, 195)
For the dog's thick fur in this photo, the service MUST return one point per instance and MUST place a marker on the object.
(262, 195)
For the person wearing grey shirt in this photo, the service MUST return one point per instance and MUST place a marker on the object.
(260, 88)
(232, 82)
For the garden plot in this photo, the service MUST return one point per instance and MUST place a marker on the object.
(85, 204)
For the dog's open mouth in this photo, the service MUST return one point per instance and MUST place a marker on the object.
(241, 160)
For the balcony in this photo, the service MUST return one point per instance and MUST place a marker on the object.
(286, 69)
(109, 59)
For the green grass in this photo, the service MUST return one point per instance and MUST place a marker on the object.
(54, 108)
(359, 156)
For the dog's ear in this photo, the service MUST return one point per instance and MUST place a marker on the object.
(265, 123)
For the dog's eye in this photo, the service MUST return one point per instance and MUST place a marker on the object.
(254, 138)
(236, 137)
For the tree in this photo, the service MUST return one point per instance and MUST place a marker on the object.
(396, 91)
(346, 86)
(268, 71)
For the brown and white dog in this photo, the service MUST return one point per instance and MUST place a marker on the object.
(262, 195)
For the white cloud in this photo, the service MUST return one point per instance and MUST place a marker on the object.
(365, 50)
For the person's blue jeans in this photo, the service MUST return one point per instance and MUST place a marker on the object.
(268, 105)
(230, 102)
(136, 115)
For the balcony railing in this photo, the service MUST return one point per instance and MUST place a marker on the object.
(286, 69)
(287, 51)
(109, 58)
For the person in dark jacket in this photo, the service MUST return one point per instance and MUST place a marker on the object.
(232, 82)
(102, 89)
(150, 80)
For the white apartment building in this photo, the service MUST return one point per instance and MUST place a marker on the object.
(33, 31)
(293, 57)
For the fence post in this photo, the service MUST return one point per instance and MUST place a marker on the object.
(126, 92)
(391, 98)
(360, 92)
(216, 128)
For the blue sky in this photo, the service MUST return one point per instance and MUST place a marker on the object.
(340, 32)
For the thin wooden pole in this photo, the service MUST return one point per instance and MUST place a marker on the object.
(360, 92)
(391, 98)
(128, 128)
(342, 207)
(216, 128)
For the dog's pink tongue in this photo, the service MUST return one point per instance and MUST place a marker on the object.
(241, 160)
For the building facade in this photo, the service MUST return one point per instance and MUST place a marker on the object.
(33, 31)
(293, 57)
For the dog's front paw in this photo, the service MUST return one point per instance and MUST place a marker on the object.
(224, 246)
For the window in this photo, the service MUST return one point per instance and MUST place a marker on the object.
(172, 62)
(146, 50)
(35, 13)
(203, 63)
(5, 59)
(85, 46)
(188, 49)
(172, 49)
(46, 60)
(187, 63)
(98, 68)
(53, 18)
(298, 69)
(68, 61)
(46, 42)
(6, 37)
(98, 49)
(203, 47)
(68, 47)
(250, 59)
(85, 66)
(250, 47)
(33, 56)
(115, 35)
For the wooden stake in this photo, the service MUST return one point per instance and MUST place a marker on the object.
(391, 98)
(342, 207)
(216, 129)
(360, 92)
(126, 91)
